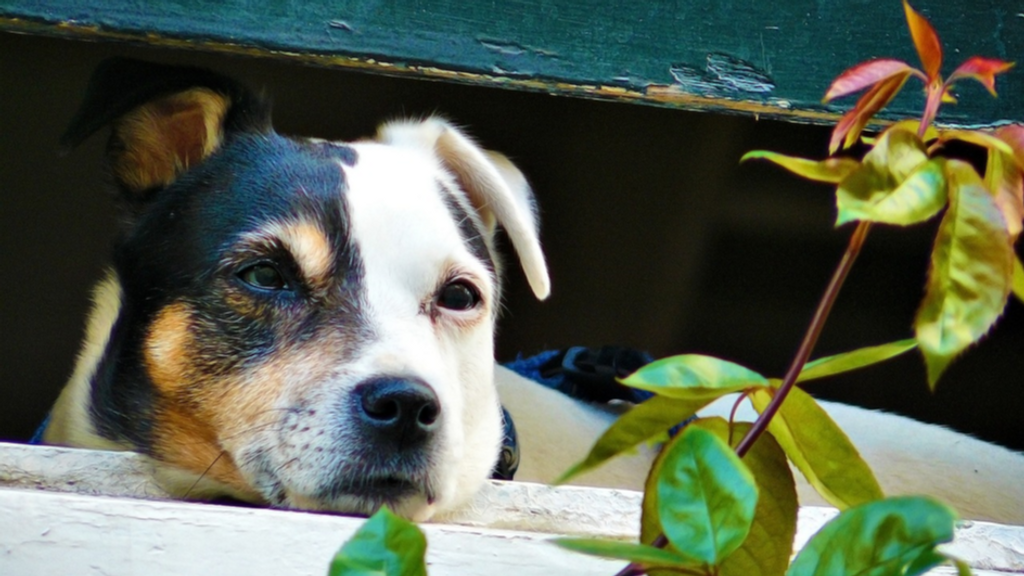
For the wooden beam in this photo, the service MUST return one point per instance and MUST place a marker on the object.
(65, 509)
(744, 56)
(575, 510)
(59, 533)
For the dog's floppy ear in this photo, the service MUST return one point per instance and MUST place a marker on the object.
(495, 187)
(164, 118)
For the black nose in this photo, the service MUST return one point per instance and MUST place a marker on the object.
(402, 411)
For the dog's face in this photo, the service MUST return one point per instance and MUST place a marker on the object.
(295, 321)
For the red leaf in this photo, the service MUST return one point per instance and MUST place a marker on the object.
(865, 74)
(983, 70)
(936, 93)
(852, 123)
(925, 40)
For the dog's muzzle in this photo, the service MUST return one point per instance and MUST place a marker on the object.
(396, 427)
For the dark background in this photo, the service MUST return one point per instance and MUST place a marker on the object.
(656, 237)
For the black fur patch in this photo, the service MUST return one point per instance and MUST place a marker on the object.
(472, 234)
(184, 247)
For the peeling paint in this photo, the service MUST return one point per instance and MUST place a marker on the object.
(678, 96)
(723, 73)
(341, 25)
(514, 48)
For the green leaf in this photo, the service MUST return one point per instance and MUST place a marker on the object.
(970, 275)
(831, 170)
(1018, 279)
(769, 546)
(924, 562)
(962, 568)
(897, 183)
(1004, 180)
(706, 496)
(913, 126)
(647, 556)
(1013, 135)
(877, 539)
(650, 519)
(855, 359)
(819, 449)
(916, 199)
(642, 422)
(694, 377)
(385, 545)
(978, 138)
(767, 549)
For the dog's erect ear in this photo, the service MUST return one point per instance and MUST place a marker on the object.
(164, 118)
(496, 188)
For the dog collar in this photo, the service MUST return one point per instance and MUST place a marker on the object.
(508, 458)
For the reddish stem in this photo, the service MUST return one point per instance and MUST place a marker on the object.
(810, 338)
(803, 353)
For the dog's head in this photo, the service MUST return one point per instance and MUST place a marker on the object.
(295, 321)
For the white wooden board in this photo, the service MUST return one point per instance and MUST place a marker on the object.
(65, 511)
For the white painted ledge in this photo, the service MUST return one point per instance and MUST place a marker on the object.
(502, 505)
(89, 513)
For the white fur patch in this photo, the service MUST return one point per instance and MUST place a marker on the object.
(69, 423)
(410, 246)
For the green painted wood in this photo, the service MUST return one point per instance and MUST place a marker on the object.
(767, 58)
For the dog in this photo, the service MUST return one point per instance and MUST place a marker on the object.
(309, 324)
(294, 321)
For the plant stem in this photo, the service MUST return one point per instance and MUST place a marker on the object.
(803, 353)
(810, 338)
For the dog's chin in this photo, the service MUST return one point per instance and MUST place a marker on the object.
(409, 498)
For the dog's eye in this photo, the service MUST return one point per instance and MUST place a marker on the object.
(458, 295)
(263, 276)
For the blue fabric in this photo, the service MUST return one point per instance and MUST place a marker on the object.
(531, 368)
(37, 438)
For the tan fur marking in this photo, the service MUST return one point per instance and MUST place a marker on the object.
(183, 441)
(167, 348)
(254, 397)
(226, 414)
(307, 243)
(251, 403)
(184, 434)
(311, 249)
(166, 136)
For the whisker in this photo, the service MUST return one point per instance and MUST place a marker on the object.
(257, 428)
(203, 475)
